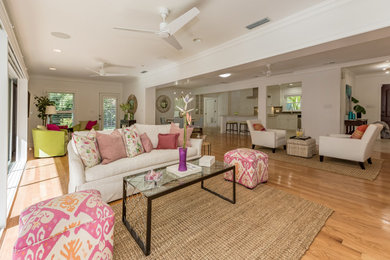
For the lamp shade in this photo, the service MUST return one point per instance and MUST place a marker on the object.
(51, 110)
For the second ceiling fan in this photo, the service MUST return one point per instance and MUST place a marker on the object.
(167, 30)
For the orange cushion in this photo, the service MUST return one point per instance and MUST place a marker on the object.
(359, 132)
(258, 127)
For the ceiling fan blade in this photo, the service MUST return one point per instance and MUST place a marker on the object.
(182, 20)
(94, 71)
(173, 42)
(135, 30)
(114, 75)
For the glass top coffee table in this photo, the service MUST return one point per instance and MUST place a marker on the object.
(139, 194)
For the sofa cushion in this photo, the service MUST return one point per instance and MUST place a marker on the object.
(86, 147)
(359, 132)
(90, 124)
(152, 131)
(177, 130)
(111, 146)
(53, 127)
(132, 141)
(144, 160)
(146, 143)
(167, 141)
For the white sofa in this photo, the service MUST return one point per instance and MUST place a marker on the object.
(108, 179)
(271, 138)
(344, 147)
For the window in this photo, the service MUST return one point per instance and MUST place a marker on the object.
(64, 103)
(293, 103)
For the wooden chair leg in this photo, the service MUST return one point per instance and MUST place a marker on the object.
(362, 165)
(369, 160)
(284, 147)
(273, 150)
(253, 146)
(321, 158)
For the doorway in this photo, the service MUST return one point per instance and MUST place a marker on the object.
(385, 107)
(108, 115)
(210, 112)
(12, 121)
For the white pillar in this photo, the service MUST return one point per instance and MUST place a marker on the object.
(3, 127)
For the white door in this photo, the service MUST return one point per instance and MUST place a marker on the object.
(210, 112)
(108, 111)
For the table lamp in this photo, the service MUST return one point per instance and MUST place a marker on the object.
(50, 110)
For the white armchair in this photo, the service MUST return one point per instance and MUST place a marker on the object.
(271, 138)
(344, 147)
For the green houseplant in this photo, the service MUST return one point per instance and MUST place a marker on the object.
(125, 108)
(358, 108)
(41, 103)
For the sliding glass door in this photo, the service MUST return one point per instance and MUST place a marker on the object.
(12, 120)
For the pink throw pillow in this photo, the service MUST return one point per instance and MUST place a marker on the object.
(146, 143)
(167, 141)
(90, 124)
(111, 146)
(53, 127)
(63, 126)
(177, 130)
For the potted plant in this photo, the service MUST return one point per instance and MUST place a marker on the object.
(41, 103)
(125, 108)
(358, 108)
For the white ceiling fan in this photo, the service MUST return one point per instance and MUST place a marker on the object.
(268, 72)
(101, 72)
(167, 30)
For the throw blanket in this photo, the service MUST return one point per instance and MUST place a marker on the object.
(385, 133)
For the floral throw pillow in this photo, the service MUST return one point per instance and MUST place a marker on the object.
(87, 148)
(132, 141)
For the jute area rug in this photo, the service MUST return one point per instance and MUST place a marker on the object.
(343, 167)
(265, 223)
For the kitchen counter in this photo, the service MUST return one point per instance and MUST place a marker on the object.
(238, 118)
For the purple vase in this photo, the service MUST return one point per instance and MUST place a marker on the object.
(182, 159)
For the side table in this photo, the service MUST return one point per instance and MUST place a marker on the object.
(302, 148)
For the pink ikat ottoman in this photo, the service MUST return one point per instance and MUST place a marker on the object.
(251, 166)
(74, 226)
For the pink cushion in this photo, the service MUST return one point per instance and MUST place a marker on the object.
(177, 130)
(78, 225)
(167, 141)
(63, 126)
(53, 127)
(90, 124)
(111, 146)
(146, 143)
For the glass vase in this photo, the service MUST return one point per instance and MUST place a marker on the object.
(182, 159)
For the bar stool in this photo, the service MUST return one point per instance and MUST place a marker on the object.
(231, 126)
(243, 127)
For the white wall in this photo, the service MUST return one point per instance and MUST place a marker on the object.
(368, 91)
(86, 96)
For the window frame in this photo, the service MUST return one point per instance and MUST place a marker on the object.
(300, 102)
(67, 111)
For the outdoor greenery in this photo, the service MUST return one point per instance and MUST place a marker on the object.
(293, 103)
(109, 110)
(64, 103)
(41, 103)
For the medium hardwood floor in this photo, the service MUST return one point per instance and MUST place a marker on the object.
(359, 228)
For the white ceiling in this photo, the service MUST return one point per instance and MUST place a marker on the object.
(90, 23)
(372, 68)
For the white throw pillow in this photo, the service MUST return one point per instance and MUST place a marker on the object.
(132, 141)
(87, 148)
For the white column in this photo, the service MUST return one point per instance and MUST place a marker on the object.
(4, 126)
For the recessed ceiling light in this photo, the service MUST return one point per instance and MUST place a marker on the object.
(384, 68)
(225, 75)
(197, 40)
(387, 72)
(52, 68)
(291, 84)
(60, 35)
(57, 50)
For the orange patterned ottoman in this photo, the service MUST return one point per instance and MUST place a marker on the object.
(251, 166)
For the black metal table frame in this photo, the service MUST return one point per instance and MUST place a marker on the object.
(141, 244)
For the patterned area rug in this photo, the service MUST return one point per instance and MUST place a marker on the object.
(343, 167)
(265, 223)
